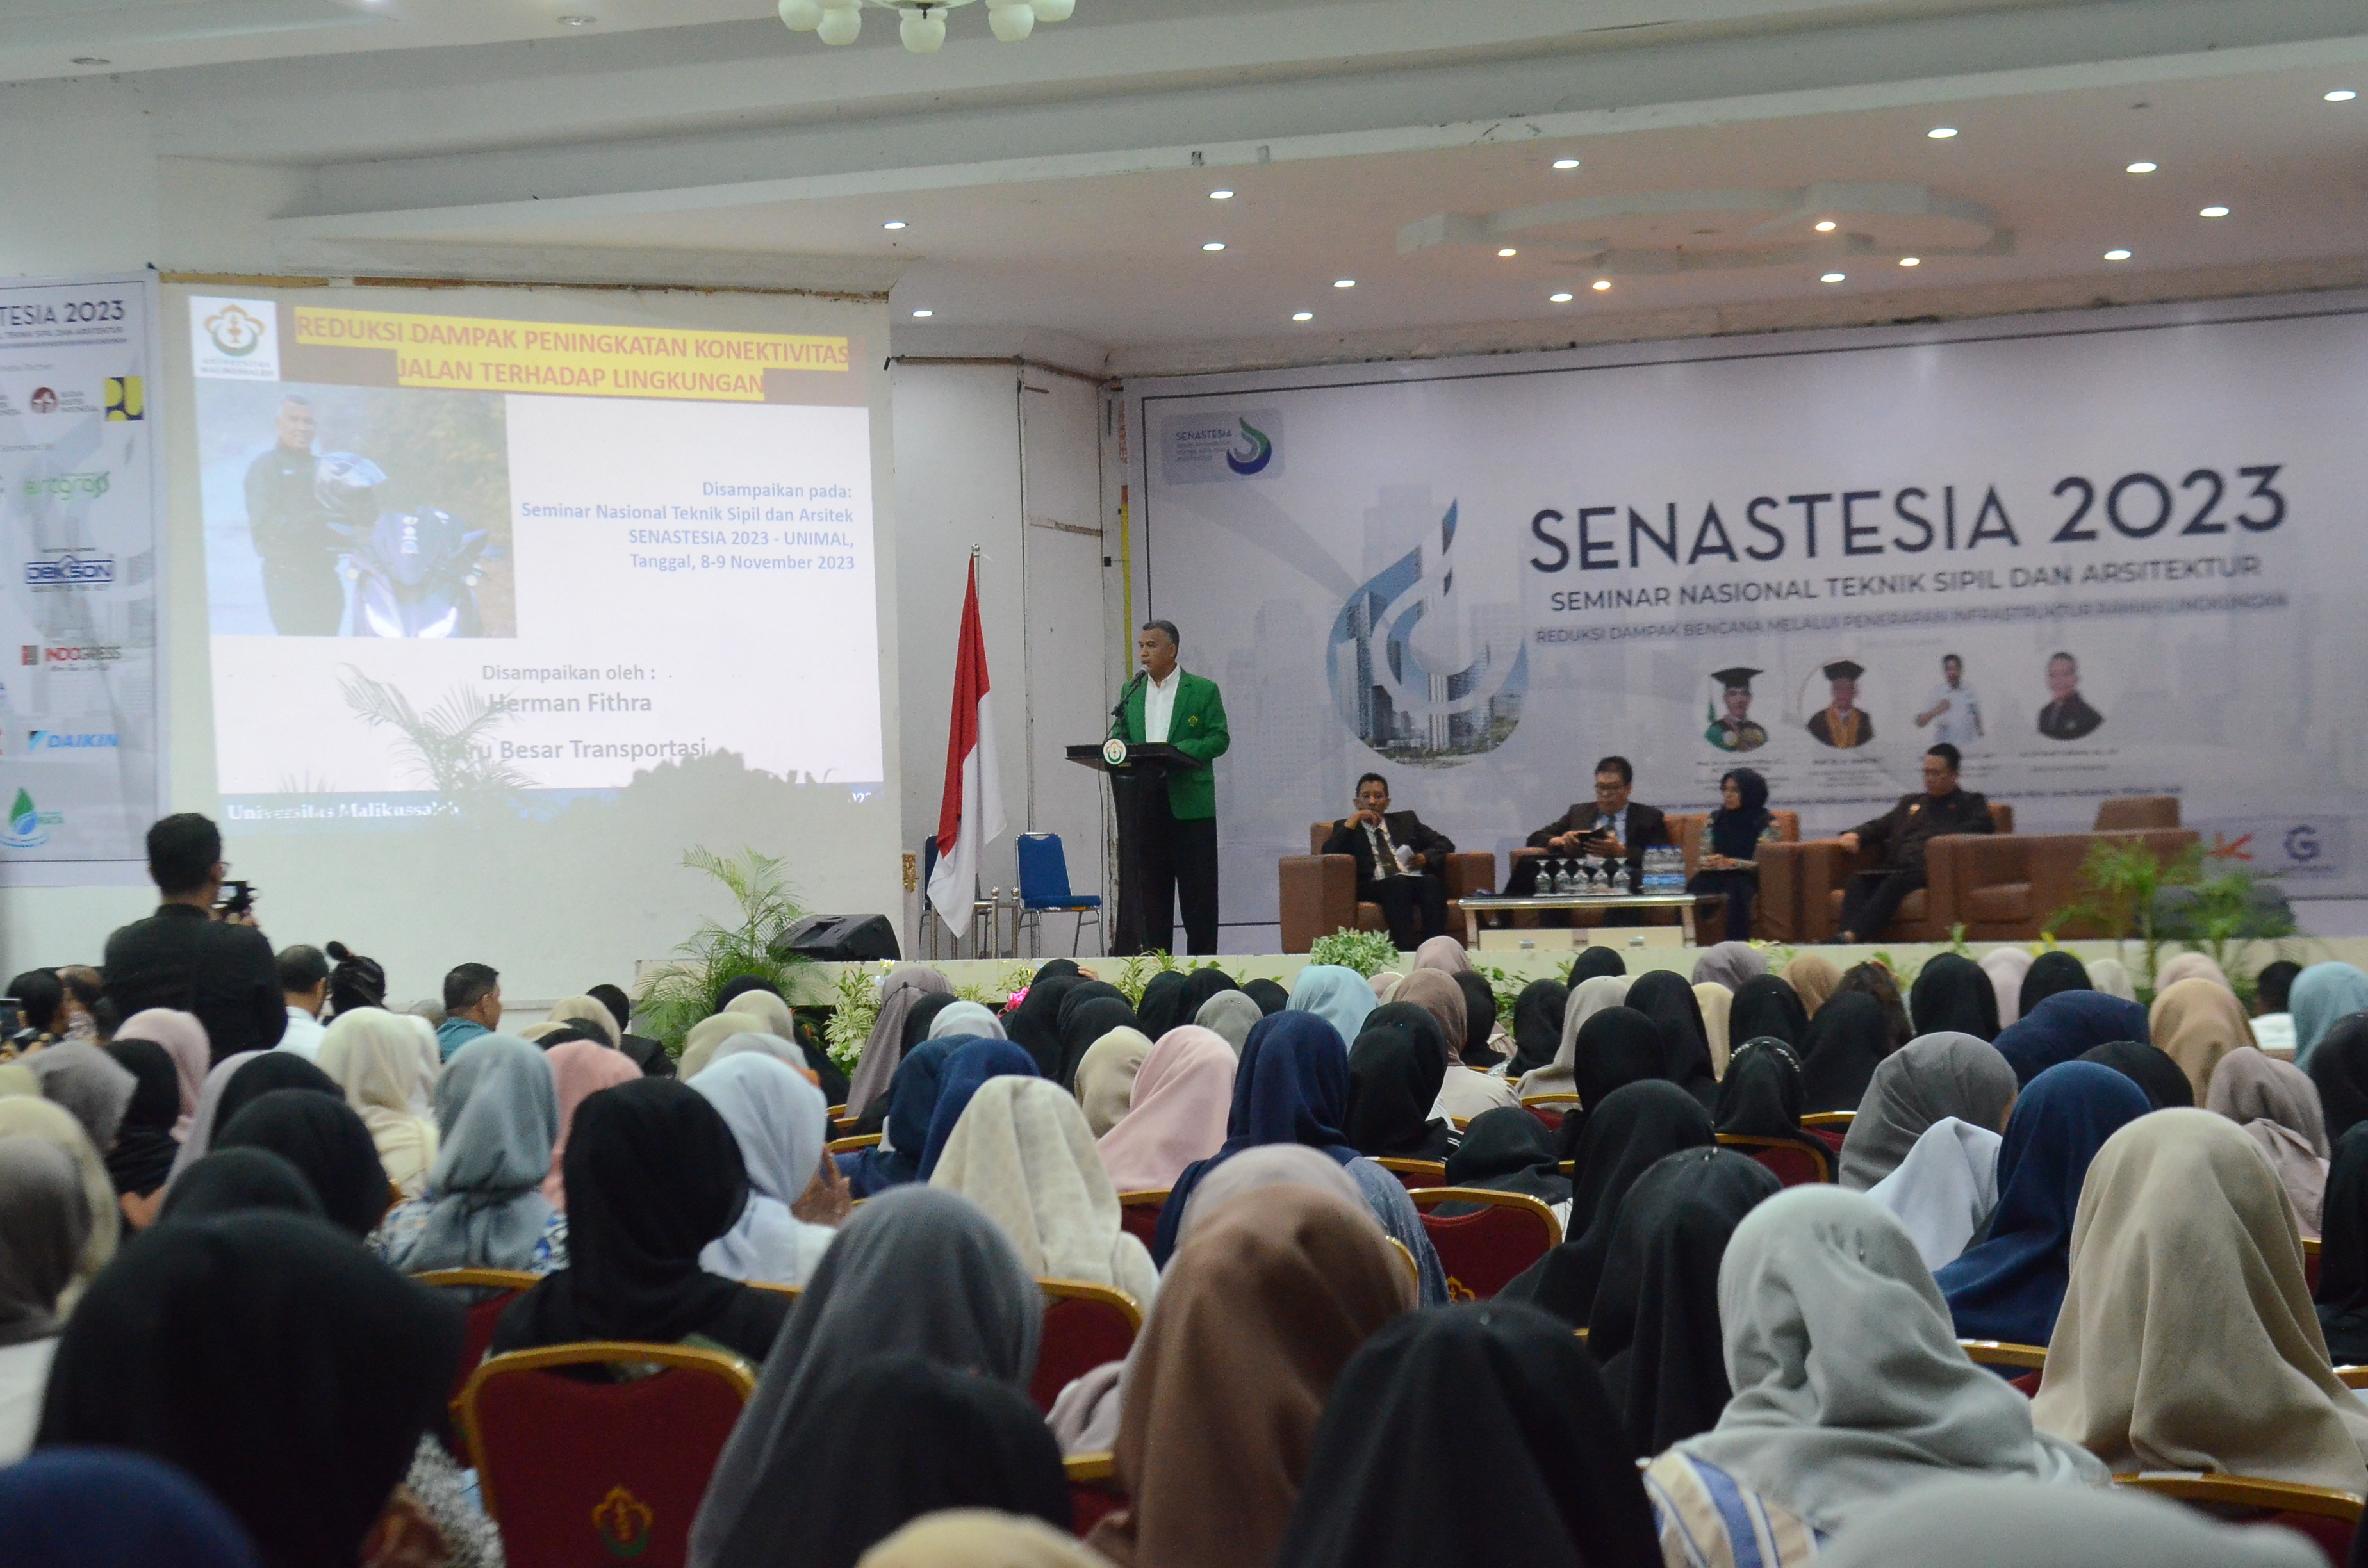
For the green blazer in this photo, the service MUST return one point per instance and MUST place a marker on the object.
(1195, 728)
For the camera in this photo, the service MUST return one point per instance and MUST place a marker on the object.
(237, 898)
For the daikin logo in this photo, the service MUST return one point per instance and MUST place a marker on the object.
(1260, 453)
(66, 739)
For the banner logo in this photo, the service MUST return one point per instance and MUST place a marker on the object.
(57, 487)
(1260, 452)
(29, 827)
(45, 399)
(127, 398)
(65, 569)
(234, 340)
(1221, 447)
(1416, 676)
(62, 740)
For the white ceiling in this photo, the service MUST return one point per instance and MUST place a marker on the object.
(1061, 182)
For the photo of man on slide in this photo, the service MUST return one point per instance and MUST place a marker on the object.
(371, 512)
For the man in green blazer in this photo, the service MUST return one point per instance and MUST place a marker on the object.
(1175, 827)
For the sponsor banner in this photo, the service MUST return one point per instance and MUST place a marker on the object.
(80, 760)
(2105, 555)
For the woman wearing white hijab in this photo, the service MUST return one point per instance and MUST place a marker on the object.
(2113, 977)
(781, 1123)
(2006, 967)
(1850, 1388)
(1022, 1152)
(705, 1038)
(966, 1020)
(1942, 1193)
(1595, 993)
(374, 1056)
(496, 1118)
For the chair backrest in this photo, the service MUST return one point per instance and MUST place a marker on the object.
(2126, 811)
(850, 1145)
(1406, 1255)
(2004, 1353)
(1550, 1108)
(1094, 1492)
(1084, 1326)
(1482, 1251)
(486, 1293)
(1414, 1173)
(577, 1471)
(2352, 1377)
(1044, 867)
(2327, 1517)
(1138, 1213)
(1829, 1127)
(2310, 1263)
(1797, 1162)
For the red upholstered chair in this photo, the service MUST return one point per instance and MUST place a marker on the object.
(2329, 1516)
(1138, 1213)
(576, 1472)
(486, 1293)
(1829, 1127)
(1084, 1326)
(1414, 1173)
(1093, 1491)
(1550, 1108)
(1797, 1162)
(1483, 1251)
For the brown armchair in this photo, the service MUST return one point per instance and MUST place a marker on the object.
(2005, 888)
(1319, 891)
(2127, 814)
(1812, 876)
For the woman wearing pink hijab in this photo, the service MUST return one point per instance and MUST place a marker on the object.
(1183, 1094)
(583, 1068)
(184, 1040)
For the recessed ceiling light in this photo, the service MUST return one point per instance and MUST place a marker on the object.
(1602, 283)
(923, 315)
(2140, 167)
(1942, 132)
(1561, 299)
(1911, 261)
(1215, 244)
(91, 60)
(1509, 251)
(894, 224)
(2214, 213)
(577, 21)
(1566, 163)
(2117, 256)
(1825, 225)
(1303, 315)
(1832, 277)
(2342, 95)
(1344, 283)
(1221, 196)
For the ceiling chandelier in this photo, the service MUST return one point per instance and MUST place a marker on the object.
(923, 24)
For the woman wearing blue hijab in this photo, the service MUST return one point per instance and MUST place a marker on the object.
(1339, 995)
(2318, 996)
(971, 1065)
(2067, 1025)
(911, 1099)
(2009, 1285)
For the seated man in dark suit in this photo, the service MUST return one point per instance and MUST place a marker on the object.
(1401, 863)
(1902, 834)
(1610, 827)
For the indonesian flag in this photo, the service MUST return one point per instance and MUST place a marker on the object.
(971, 813)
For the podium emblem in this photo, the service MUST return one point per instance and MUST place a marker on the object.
(1114, 752)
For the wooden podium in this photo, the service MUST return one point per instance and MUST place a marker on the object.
(1136, 769)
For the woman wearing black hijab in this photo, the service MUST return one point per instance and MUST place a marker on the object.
(1875, 981)
(653, 1174)
(924, 1013)
(275, 1361)
(1537, 1027)
(1161, 1007)
(1735, 833)
(2343, 1250)
(1760, 1095)
(1528, 1411)
(145, 1146)
(1506, 1150)
(271, 1070)
(1479, 1021)
(2338, 1064)
(1085, 1020)
(1766, 1004)
(1395, 1071)
(1952, 996)
(2164, 1081)
(321, 1137)
(1655, 1327)
(231, 1180)
(1668, 998)
(1269, 995)
(1594, 960)
(2050, 973)
(1844, 1043)
(1198, 987)
(1632, 1128)
(1035, 1025)
(1617, 1047)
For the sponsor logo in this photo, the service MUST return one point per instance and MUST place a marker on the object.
(236, 340)
(58, 486)
(68, 740)
(127, 397)
(45, 399)
(29, 826)
(623, 1522)
(67, 569)
(85, 658)
(1220, 445)
(1114, 752)
(32, 653)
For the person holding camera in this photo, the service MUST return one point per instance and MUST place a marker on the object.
(195, 954)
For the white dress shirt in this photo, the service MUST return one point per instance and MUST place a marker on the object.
(1159, 706)
(1959, 721)
(303, 1036)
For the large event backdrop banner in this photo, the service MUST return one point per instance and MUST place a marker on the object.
(81, 744)
(2136, 533)
(510, 597)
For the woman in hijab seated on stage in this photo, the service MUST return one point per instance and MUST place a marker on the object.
(1730, 853)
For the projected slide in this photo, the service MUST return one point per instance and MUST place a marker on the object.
(454, 560)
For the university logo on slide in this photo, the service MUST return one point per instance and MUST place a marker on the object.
(234, 340)
(1420, 677)
(1213, 445)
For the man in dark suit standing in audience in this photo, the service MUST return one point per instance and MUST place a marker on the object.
(1401, 863)
(193, 958)
(1903, 835)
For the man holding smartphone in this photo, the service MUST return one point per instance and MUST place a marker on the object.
(1609, 827)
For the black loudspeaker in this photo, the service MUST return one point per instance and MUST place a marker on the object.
(842, 938)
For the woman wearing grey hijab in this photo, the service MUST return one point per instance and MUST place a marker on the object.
(1230, 1014)
(44, 1223)
(1729, 964)
(966, 1020)
(2014, 1524)
(496, 1118)
(1930, 1077)
(88, 1081)
(899, 989)
(917, 1271)
(1849, 1385)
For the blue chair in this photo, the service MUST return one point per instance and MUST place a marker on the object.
(1044, 885)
